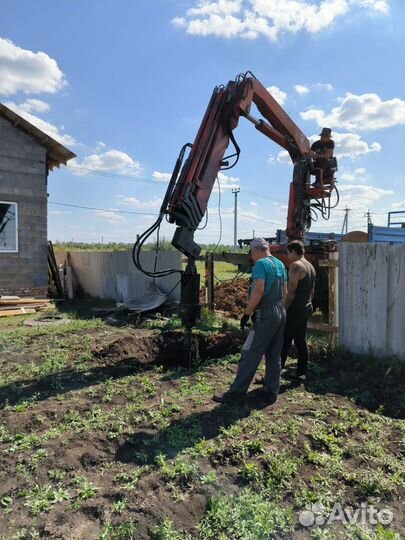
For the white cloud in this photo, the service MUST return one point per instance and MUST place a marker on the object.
(364, 112)
(25, 71)
(250, 19)
(363, 195)
(34, 105)
(358, 175)
(301, 89)
(24, 110)
(252, 203)
(110, 216)
(133, 202)
(271, 159)
(109, 161)
(359, 199)
(226, 182)
(161, 176)
(399, 205)
(278, 94)
(377, 5)
(323, 86)
(284, 157)
(351, 145)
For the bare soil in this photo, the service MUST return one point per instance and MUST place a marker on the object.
(231, 296)
(61, 426)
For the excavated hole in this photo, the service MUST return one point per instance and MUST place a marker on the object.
(167, 348)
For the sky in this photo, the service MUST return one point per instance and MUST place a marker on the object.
(124, 84)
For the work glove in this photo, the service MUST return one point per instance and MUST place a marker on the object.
(244, 320)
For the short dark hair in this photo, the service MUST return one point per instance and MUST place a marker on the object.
(297, 246)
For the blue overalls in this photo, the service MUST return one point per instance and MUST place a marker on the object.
(264, 339)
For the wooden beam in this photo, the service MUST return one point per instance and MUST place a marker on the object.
(322, 327)
(24, 301)
(328, 263)
(19, 311)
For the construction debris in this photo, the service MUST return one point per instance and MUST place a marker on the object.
(14, 305)
(55, 282)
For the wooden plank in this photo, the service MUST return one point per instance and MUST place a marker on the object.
(25, 301)
(32, 306)
(20, 311)
(54, 270)
(396, 302)
(322, 327)
(329, 263)
(364, 297)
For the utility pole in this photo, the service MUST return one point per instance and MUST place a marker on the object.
(235, 191)
(368, 216)
(345, 225)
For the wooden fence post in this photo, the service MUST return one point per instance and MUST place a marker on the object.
(209, 280)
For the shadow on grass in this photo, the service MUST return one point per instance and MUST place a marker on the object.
(88, 308)
(128, 356)
(144, 446)
(66, 380)
(376, 384)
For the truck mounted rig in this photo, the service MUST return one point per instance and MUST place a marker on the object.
(186, 199)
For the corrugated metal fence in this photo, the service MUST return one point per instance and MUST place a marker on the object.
(113, 275)
(372, 299)
(388, 235)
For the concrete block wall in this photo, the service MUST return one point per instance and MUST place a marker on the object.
(23, 179)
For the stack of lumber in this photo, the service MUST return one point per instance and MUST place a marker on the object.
(14, 305)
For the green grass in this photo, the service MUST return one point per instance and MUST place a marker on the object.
(223, 271)
(256, 468)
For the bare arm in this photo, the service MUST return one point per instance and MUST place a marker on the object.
(255, 297)
(326, 155)
(293, 279)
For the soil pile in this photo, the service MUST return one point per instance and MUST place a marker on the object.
(231, 296)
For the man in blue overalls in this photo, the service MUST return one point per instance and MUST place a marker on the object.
(269, 279)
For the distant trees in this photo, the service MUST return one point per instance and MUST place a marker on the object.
(164, 245)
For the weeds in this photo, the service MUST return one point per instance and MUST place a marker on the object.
(42, 498)
(247, 516)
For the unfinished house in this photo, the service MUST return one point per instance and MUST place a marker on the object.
(27, 154)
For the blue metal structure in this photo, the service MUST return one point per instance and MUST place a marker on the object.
(309, 237)
(387, 235)
(397, 214)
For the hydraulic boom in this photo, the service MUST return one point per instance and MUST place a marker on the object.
(190, 187)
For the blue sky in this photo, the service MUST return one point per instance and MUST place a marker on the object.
(125, 84)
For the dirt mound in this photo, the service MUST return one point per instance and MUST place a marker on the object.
(166, 348)
(231, 296)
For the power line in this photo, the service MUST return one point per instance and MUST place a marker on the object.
(142, 213)
(103, 209)
(153, 181)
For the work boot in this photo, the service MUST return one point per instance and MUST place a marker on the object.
(268, 397)
(229, 397)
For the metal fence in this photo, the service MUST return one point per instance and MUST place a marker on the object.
(389, 235)
(113, 275)
(372, 298)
